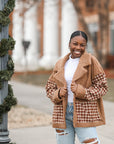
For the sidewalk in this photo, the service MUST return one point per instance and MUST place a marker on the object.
(46, 134)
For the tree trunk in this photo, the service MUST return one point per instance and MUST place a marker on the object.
(104, 30)
(85, 27)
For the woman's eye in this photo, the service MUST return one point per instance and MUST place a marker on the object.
(75, 43)
(82, 45)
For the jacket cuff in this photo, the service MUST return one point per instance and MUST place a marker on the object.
(80, 92)
(56, 98)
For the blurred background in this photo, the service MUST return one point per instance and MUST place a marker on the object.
(42, 29)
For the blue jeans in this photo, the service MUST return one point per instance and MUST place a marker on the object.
(67, 136)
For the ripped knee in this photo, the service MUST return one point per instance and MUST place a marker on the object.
(61, 132)
(90, 141)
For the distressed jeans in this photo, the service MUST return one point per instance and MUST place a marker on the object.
(67, 136)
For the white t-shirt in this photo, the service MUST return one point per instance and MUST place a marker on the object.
(70, 68)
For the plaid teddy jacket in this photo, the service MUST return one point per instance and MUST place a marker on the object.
(88, 102)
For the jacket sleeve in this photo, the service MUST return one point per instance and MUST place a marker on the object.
(98, 87)
(52, 90)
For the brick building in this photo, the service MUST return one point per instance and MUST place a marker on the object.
(48, 25)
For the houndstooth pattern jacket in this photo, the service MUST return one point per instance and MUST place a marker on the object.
(88, 102)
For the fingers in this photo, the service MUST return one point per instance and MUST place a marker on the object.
(73, 87)
(63, 92)
(73, 84)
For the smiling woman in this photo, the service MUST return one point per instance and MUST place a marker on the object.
(76, 87)
(77, 44)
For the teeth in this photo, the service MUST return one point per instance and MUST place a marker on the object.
(77, 52)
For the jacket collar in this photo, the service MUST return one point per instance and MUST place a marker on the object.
(84, 61)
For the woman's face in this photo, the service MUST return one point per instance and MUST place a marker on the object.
(77, 46)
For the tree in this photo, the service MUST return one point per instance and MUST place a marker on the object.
(103, 14)
(83, 22)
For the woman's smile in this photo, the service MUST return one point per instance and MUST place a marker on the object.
(77, 46)
(77, 52)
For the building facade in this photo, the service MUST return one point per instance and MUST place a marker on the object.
(42, 31)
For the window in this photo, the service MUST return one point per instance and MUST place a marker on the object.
(93, 28)
(112, 37)
(90, 48)
(112, 42)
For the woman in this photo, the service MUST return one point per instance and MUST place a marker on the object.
(76, 87)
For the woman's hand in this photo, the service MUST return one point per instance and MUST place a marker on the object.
(73, 87)
(62, 92)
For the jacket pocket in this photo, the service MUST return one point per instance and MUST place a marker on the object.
(87, 111)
